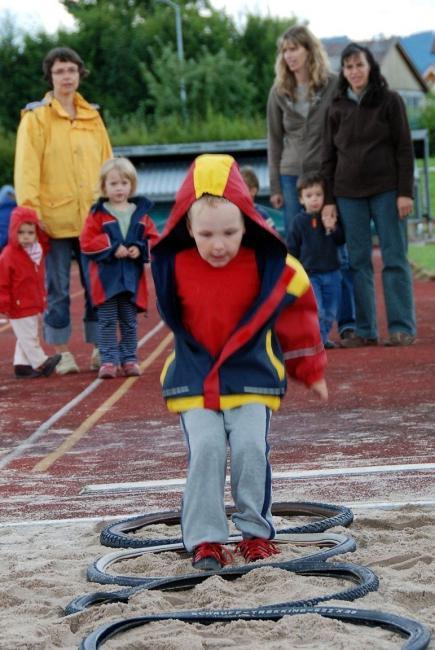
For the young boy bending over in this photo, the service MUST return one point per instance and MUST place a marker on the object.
(242, 312)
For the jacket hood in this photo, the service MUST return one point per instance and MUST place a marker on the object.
(7, 195)
(85, 110)
(20, 215)
(219, 175)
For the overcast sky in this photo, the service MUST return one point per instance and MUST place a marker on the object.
(358, 20)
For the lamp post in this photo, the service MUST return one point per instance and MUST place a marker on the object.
(180, 50)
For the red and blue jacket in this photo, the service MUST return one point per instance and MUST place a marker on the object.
(22, 281)
(279, 332)
(107, 275)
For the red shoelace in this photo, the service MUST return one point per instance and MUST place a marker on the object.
(214, 550)
(257, 549)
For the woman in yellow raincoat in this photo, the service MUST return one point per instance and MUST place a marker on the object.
(61, 145)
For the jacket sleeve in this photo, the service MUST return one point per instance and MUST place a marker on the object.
(149, 237)
(29, 152)
(329, 157)
(94, 242)
(107, 152)
(294, 240)
(403, 146)
(5, 283)
(152, 233)
(275, 140)
(297, 328)
(338, 234)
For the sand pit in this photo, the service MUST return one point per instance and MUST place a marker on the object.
(44, 567)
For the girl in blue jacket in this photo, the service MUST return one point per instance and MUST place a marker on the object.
(114, 243)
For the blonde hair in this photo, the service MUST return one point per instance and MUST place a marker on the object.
(125, 168)
(210, 200)
(318, 63)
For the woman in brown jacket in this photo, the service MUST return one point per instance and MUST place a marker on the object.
(368, 166)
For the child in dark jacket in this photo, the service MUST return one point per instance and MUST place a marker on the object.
(22, 292)
(251, 180)
(114, 244)
(314, 240)
(7, 204)
(242, 312)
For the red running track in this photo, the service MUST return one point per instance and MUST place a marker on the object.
(380, 413)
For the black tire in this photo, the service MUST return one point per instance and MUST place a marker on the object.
(116, 535)
(418, 635)
(97, 571)
(364, 578)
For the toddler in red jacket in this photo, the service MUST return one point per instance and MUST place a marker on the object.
(22, 292)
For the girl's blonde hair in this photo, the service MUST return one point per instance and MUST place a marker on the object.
(125, 169)
(318, 63)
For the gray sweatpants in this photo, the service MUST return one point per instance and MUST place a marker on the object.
(207, 433)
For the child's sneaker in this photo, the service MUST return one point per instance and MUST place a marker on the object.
(23, 371)
(131, 369)
(107, 371)
(95, 360)
(67, 364)
(257, 549)
(49, 365)
(211, 556)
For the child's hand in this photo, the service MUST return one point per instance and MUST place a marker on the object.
(329, 221)
(133, 252)
(321, 389)
(121, 252)
(277, 201)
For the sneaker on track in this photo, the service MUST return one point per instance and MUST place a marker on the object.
(95, 362)
(67, 365)
(107, 371)
(131, 369)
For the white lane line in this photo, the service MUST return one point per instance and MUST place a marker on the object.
(312, 473)
(368, 505)
(5, 460)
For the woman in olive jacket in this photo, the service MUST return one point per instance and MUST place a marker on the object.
(368, 166)
(302, 91)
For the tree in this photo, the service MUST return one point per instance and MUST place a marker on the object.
(214, 84)
(20, 69)
(258, 46)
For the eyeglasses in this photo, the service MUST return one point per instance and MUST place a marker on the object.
(70, 70)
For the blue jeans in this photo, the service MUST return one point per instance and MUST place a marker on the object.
(117, 311)
(356, 216)
(57, 319)
(326, 287)
(346, 303)
(291, 201)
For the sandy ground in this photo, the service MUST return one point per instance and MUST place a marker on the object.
(43, 567)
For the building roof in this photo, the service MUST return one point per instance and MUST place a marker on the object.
(162, 168)
(421, 48)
